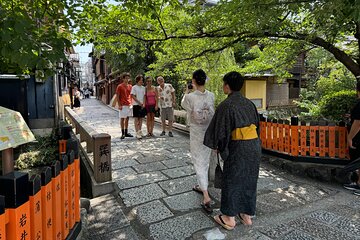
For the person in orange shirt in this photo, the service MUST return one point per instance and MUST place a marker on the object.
(123, 95)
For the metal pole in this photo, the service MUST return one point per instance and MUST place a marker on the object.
(7, 161)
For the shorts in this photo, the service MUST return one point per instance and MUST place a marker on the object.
(167, 113)
(125, 112)
(150, 108)
(138, 111)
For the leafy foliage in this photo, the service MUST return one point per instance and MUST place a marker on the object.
(335, 105)
(34, 34)
(326, 77)
(181, 31)
(43, 152)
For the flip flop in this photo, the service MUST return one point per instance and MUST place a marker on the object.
(243, 221)
(197, 189)
(218, 219)
(207, 207)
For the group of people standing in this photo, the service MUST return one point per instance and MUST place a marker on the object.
(139, 101)
(232, 130)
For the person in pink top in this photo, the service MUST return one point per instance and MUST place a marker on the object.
(150, 103)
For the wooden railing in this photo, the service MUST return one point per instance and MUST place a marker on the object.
(97, 145)
(302, 141)
(314, 139)
(46, 205)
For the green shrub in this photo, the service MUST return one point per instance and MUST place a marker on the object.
(335, 105)
(42, 152)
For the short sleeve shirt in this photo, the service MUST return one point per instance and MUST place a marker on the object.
(139, 92)
(123, 93)
(355, 115)
(165, 100)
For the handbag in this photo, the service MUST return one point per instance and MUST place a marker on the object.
(143, 112)
(157, 113)
(218, 174)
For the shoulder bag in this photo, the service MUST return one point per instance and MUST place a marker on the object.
(218, 174)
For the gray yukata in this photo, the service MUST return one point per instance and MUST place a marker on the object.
(241, 157)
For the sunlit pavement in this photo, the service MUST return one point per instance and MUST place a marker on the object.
(154, 200)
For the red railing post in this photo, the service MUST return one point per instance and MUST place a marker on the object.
(281, 135)
(332, 147)
(294, 136)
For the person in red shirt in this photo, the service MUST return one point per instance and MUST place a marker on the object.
(123, 95)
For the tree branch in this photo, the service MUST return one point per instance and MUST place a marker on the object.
(340, 55)
(213, 34)
(357, 36)
(212, 50)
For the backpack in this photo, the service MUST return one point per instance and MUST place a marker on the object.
(203, 112)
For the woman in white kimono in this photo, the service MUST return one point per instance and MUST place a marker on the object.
(199, 105)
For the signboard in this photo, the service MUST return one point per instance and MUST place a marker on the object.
(13, 129)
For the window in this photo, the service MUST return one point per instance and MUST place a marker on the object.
(257, 102)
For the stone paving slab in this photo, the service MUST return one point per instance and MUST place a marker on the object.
(142, 194)
(180, 227)
(179, 172)
(185, 156)
(319, 230)
(153, 157)
(119, 163)
(175, 163)
(345, 224)
(123, 173)
(277, 231)
(283, 200)
(184, 202)
(263, 208)
(161, 205)
(268, 181)
(152, 212)
(297, 235)
(106, 216)
(345, 211)
(125, 233)
(178, 185)
(149, 167)
(325, 217)
(215, 193)
(135, 180)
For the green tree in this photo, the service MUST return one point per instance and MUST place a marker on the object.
(34, 34)
(194, 30)
(329, 84)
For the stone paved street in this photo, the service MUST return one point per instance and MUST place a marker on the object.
(154, 199)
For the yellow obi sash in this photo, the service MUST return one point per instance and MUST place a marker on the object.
(244, 133)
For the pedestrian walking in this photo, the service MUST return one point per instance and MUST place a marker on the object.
(123, 91)
(77, 96)
(234, 132)
(199, 106)
(138, 94)
(166, 97)
(353, 140)
(151, 105)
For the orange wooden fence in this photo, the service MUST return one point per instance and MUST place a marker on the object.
(314, 139)
(45, 206)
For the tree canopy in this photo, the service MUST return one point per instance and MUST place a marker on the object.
(34, 34)
(184, 30)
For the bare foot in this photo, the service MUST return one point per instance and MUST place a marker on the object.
(245, 219)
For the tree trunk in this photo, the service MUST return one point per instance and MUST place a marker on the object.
(341, 56)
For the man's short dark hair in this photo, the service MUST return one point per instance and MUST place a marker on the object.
(124, 75)
(234, 80)
(200, 77)
(138, 78)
